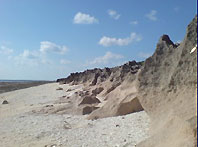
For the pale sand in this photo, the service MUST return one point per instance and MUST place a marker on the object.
(19, 127)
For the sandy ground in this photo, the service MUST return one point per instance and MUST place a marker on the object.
(20, 127)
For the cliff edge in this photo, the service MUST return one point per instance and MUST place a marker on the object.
(168, 85)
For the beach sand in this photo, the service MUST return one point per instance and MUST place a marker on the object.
(22, 126)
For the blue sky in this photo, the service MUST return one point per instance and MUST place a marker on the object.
(48, 39)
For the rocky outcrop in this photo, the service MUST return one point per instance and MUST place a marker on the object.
(129, 106)
(120, 101)
(89, 100)
(97, 91)
(168, 83)
(108, 89)
(96, 76)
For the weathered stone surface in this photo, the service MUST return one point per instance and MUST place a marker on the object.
(89, 100)
(96, 76)
(168, 83)
(88, 109)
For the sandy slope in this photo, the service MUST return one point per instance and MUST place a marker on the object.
(20, 126)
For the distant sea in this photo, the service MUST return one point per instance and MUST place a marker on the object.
(22, 81)
(10, 85)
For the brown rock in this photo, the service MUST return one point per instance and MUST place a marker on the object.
(88, 109)
(129, 107)
(97, 91)
(89, 100)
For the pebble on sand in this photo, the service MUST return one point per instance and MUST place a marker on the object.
(5, 102)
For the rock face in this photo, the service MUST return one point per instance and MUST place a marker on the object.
(96, 76)
(168, 83)
(110, 90)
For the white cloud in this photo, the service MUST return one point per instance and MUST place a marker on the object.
(144, 55)
(135, 22)
(31, 58)
(46, 46)
(63, 61)
(82, 18)
(106, 59)
(152, 15)
(113, 14)
(5, 50)
(37, 57)
(29, 55)
(108, 41)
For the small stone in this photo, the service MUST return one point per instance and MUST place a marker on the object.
(52, 145)
(49, 105)
(59, 88)
(66, 125)
(90, 125)
(68, 90)
(117, 125)
(5, 102)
